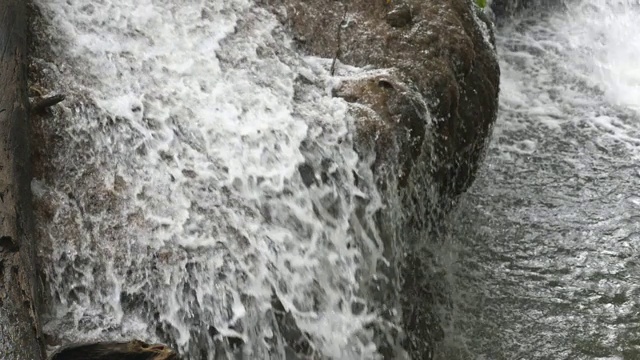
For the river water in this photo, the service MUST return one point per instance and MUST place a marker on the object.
(172, 207)
(546, 241)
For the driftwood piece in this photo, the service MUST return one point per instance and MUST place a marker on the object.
(19, 323)
(42, 103)
(132, 350)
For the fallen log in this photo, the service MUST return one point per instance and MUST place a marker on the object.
(20, 334)
(132, 350)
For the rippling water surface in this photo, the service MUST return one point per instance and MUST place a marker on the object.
(547, 239)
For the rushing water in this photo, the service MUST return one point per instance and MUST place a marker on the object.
(173, 207)
(548, 237)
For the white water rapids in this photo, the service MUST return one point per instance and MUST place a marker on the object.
(178, 209)
(175, 207)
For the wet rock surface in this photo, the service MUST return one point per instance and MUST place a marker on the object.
(425, 106)
(431, 107)
(19, 301)
(440, 53)
(504, 9)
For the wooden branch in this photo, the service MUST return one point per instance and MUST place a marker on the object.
(339, 41)
(40, 104)
(132, 350)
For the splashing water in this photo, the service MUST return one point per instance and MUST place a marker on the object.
(198, 171)
(606, 33)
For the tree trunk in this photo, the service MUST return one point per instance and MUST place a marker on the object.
(20, 333)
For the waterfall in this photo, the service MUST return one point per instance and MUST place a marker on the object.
(200, 187)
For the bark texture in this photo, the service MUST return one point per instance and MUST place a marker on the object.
(132, 350)
(19, 323)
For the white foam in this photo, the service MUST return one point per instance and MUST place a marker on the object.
(195, 114)
(607, 33)
(569, 68)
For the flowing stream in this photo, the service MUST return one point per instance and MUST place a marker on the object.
(198, 171)
(547, 239)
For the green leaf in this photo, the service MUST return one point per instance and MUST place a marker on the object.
(481, 3)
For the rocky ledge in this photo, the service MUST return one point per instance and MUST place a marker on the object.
(430, 94)
(424, 105)
(437, 96)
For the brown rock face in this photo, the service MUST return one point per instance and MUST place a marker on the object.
(391, 119)
(425, 106)
(439, 56)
